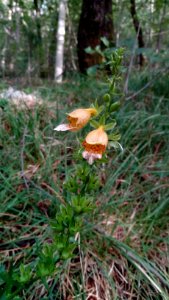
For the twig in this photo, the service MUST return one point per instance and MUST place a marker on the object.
(140, 91)
(148, 83)
(44, 184)
(48, 194)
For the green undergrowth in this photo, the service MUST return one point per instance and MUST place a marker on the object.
(124, 251)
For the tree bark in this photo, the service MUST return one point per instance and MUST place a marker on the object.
(138, 29)
(60, 41)
(95, 22)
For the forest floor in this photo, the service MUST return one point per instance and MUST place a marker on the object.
(132, 262)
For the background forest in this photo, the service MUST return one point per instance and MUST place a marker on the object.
(29, 28)
(56, 56)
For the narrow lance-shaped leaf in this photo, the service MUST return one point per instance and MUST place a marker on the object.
(110, 125)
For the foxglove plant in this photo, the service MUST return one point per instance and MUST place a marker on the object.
(83, 183)
(80, 187)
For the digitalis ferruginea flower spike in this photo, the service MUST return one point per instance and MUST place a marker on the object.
(95, 145)
(77, 119)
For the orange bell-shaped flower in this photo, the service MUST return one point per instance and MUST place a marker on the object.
(95, 144)
(77, 119)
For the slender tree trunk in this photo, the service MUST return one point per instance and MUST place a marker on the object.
(60, 41)
(39, 38)
(52, 45)
(138, 29)
(3, 60)
(16, 16)
(95, 22)
(159, 37)
(38, 25)
(151, 30)
(71, 41)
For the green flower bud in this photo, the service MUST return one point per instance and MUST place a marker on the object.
(106, 97)
(115, 106)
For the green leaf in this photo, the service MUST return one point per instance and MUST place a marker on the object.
(44, 269)
(96, 105)
(114, 137)
(89, 50)
(24, 275)
(110, 125)
(116, 145)
(102, 120)
(47, 250)
(98, 49)
(105, 41)
(67, 253)
(100, 109)
(92, 70)
(60, 246)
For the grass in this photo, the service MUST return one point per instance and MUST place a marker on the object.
(124, 252)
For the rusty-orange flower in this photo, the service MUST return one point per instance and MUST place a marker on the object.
(95, 144)
(77, 119)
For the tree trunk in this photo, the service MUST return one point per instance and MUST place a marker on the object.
(95, 22)
(39, 38)
(60, 41)
(159, 36)
(138, 29)
(52, 45)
